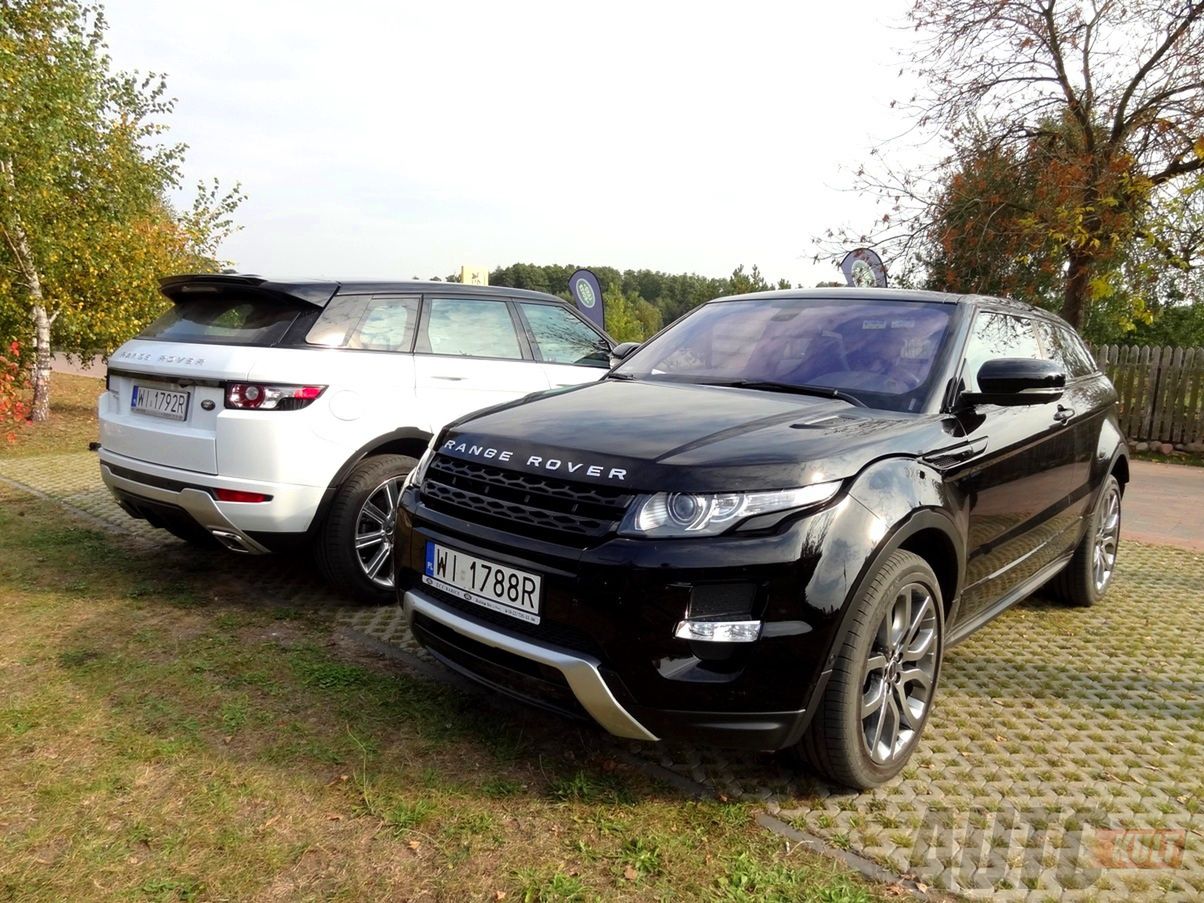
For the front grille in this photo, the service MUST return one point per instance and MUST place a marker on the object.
(544, 507)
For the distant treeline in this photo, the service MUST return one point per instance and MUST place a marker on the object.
(636, 302)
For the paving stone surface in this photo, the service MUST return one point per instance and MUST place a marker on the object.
(1064, 758)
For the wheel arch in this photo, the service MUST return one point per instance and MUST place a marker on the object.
(937, 547)
(1120, 470)
(1111, 456)
(930, 533)
(408, 441)
(921, 514)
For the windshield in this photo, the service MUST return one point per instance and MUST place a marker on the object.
(879, 352)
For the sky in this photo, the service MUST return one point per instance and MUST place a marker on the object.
(401, 139)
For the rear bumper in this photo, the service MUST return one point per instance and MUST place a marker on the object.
(155, 492)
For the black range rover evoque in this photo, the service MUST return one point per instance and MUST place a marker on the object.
(768, 523)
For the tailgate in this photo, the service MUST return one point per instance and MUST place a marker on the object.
(167, 386)
(163, 402)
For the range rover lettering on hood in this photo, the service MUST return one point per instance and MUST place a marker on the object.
(536, 462)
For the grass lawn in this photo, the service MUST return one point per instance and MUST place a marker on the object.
(72, 424)
(168, 732)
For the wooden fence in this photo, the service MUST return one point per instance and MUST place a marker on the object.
(1161, 391)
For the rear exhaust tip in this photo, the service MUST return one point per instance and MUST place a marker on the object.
(233, 542)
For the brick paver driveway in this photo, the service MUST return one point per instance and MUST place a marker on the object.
(1064, 758)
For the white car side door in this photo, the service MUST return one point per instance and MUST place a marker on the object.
(471, 354)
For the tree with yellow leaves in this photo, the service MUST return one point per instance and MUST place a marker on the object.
(85, 225)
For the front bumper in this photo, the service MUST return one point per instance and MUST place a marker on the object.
(611, 610)
(581, 672)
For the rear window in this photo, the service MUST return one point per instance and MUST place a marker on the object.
(224, 321)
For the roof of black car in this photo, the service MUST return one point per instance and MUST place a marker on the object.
(850, 293)
(319, 291)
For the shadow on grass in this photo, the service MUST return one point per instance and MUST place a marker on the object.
(239, 614)
(200, 649)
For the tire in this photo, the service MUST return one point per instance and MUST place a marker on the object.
(1089, 573)
(890, 656)
(355, 547)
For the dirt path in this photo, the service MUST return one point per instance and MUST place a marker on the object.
(1164, 504)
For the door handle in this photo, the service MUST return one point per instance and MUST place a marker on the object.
(1064, 413)
(454, 379)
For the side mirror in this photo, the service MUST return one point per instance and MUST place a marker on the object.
(620, 352)
(1012, 381)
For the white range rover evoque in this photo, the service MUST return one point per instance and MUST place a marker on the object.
(272, 415)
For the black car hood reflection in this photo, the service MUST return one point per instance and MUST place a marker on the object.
(648, 435)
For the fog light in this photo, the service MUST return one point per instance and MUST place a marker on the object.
(718, 631)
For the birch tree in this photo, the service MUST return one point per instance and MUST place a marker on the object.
(85, 172)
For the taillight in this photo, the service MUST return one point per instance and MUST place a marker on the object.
(264, 397)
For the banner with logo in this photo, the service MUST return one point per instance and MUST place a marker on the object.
(583, 286)
(863, 268)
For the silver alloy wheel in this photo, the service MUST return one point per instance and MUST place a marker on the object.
(900, 671)
(374, 532)
(1107, 535)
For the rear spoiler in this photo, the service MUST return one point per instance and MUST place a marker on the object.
(178, 288)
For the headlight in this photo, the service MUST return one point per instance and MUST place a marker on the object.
(415, 476)
(709, 514)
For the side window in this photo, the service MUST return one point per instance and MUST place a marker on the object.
(472, 327)
(562, 338)
(339, 318)
(1052, 343)
(387, 325)
(1064, 346)
(997, 335)
(1078, 358)
(365, 322)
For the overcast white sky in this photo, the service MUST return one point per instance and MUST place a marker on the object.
(405, 139)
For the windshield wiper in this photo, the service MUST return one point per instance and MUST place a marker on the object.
(770, 385)
(620, 376)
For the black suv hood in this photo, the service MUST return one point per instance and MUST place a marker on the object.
(649, 435)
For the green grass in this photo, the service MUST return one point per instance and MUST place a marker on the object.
(72, 424)
(1190, 459)
(169, 731)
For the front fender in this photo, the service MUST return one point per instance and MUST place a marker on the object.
(894, 503)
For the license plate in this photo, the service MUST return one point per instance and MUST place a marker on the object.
(159, 402)
(494, 586)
